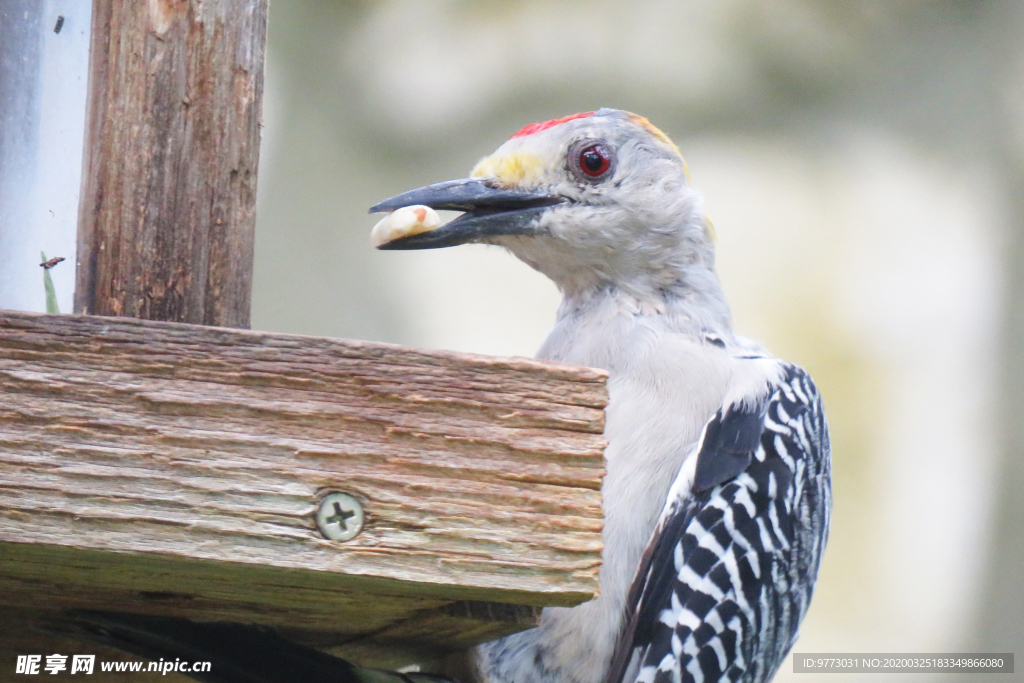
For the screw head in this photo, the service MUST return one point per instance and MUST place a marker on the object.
(339, 517)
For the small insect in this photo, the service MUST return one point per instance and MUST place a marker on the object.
(60, 23)
(46, 265)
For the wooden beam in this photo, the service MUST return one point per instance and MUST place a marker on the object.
(176, 469)
(167, 213)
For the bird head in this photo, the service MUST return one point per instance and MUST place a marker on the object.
(595, 199)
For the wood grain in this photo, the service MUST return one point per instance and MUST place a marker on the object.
(175, 469)
(167, 213)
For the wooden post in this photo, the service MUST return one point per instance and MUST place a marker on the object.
(168, 201)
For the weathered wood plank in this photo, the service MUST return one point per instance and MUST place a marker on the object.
(167, 214)
(175, 469)
(366, 620)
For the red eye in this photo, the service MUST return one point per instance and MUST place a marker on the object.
(594, 160)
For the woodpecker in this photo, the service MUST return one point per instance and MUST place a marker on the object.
(718, 487)
(717, 494)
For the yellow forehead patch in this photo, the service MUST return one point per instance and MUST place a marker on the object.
(516, 168)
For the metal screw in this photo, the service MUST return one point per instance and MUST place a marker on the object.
(339, 517)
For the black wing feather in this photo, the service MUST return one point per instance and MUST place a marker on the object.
(730, 439)
(729, 574)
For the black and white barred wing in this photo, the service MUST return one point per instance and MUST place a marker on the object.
(729, 574)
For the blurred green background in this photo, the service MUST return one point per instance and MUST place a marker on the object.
(863, 162)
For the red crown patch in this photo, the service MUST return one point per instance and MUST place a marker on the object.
(544, 125)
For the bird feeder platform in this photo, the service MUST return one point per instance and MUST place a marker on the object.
(174, 469)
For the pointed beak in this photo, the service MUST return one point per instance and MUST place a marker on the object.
(489, 211)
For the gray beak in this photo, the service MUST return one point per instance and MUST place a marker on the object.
(489, 211)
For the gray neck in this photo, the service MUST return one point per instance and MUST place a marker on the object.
(596, 326)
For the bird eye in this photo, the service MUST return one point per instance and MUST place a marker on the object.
(594, 160)
(590, 160)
